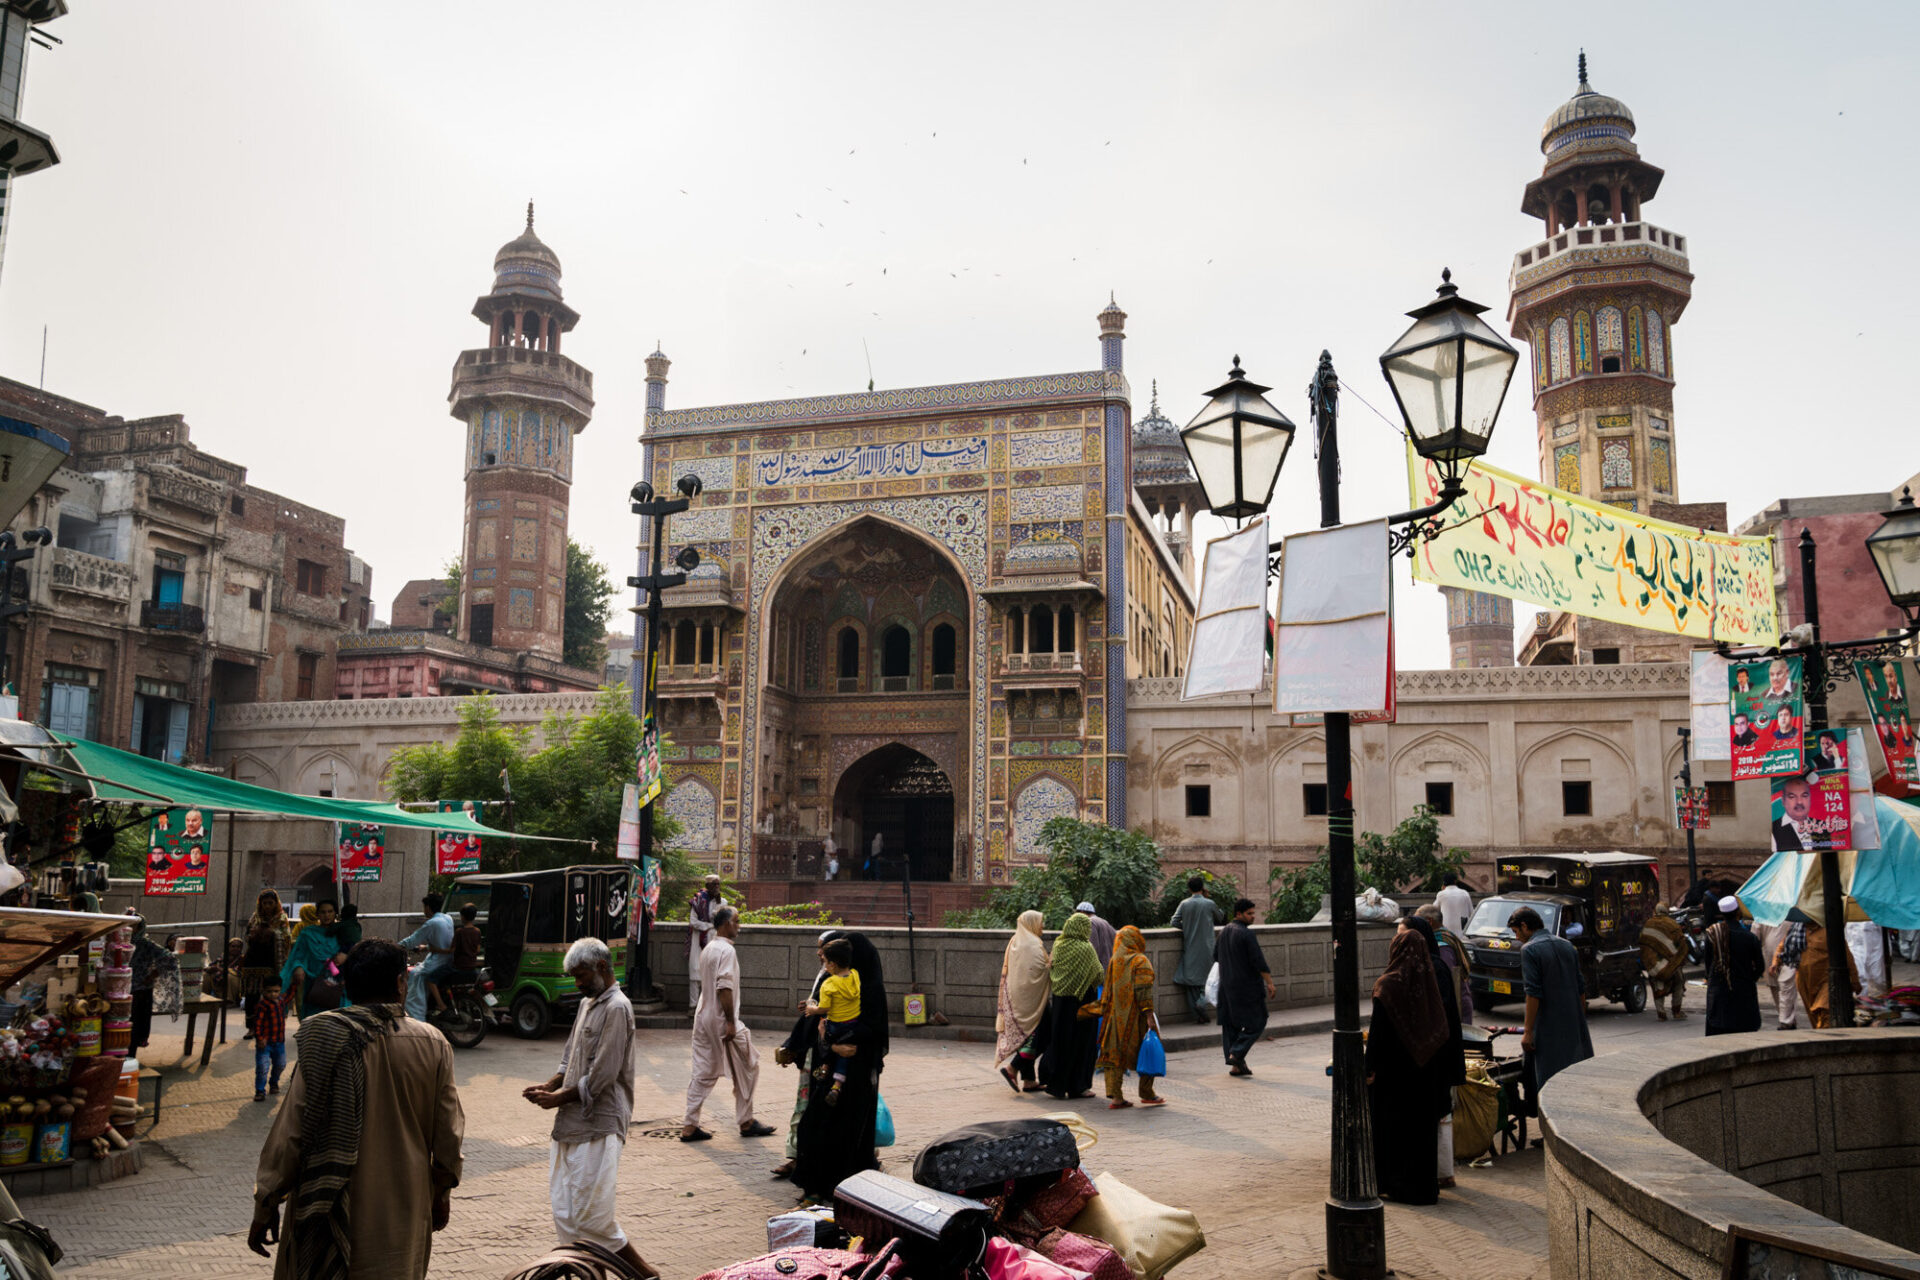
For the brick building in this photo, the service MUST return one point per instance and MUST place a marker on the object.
(173, 586)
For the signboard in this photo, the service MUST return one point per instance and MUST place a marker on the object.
(648, 772)
(1812, 811)
(456, 852)
(629, 847)
(1227, 652)
(1332, 638)
(1765, 712)
(1528, 541)
(1690, 809)
(178, 849)
(1885, 684)
(1708, 698)
(359, 851)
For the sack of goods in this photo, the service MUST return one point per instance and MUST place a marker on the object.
(981, 1159)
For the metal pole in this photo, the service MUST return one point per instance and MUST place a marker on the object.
(226, 930)
(1833, 898)
(639, 968)
(1356, 1218)
(1686, 780)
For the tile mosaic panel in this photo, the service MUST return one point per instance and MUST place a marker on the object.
(1562, 430)
(1046, 448)
(1611, 338)
(1562, 350)
(520, 607)
(1043, 800)
(1660, 464)
(1566, 468)
(526, 539)
(1656, 344)
(1050, 502)
(1616, 464)
(1614, 422)
(691, 804)
(899, 459)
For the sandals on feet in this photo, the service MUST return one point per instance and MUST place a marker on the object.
(1013, 1081)
(1118, 1104)
(698, 1135)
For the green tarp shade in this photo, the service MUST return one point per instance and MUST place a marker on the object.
(122, 777)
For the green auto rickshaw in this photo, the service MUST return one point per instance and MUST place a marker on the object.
(530, 918)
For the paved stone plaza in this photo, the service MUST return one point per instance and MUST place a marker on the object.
(1248, 1156)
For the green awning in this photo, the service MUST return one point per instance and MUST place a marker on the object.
(124, 778)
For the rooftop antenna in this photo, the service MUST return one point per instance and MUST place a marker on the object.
(43, 357)
(868, 350)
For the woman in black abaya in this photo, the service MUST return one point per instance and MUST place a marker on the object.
(1066, 1067)
(837, 1138)
(1404, 1071)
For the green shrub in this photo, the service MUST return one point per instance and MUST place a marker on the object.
(1222, 889)
(1297, 893)
(811, 913)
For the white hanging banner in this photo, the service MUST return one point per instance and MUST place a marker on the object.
(1866, 823)
(1228, 651)
(1332, 644)
(1710, 698)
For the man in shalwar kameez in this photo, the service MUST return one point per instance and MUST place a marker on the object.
(722, 1045)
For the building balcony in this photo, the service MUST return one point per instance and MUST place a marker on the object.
(523, 372)
(1034, 664)
(90, 575)
(1607, 242)
(155, 616)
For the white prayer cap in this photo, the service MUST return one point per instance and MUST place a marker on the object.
(1729, 906)
(1086, 907)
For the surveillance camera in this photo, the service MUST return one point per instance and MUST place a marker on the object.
(688, 559)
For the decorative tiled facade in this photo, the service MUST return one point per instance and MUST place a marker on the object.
(1566, 468)
(1616, 464)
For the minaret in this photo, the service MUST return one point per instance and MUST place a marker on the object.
(1479, 629)
(523, 403)
(1119, 489)
(1596, 301)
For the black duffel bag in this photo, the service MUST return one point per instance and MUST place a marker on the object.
(939, 1234)
(983, 1158)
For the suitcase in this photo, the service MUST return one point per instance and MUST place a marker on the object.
(939, 1234)
(987, 1156)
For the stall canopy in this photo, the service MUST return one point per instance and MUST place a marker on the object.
(1882, 885)
(28, 939)
(120, 777)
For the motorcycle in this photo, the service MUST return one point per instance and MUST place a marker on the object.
(26, 1250)
(469, 1012)
(1693, 923)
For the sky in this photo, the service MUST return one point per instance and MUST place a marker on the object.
(274, 219)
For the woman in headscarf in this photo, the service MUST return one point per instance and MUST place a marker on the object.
(837, 1139)
(1452, 1059)
(314, 948)
(1404, 1074)
(269, 938)
(799, 1049)
(1023, 999)
(309, 915)
(1736, 965)
(1126, 1011)
(1066, 1069)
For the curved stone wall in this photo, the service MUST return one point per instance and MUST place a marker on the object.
(1813, 1136)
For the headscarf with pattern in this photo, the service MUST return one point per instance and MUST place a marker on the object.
(1075, 967)
(1128, 1000)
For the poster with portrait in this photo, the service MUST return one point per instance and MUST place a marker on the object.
(1812, 809)
(647, 772)
(1884, 681)
(456, 852)
(179, 847)
(628, 849)
(1690, 808)
(359, 852)
(1766, 714)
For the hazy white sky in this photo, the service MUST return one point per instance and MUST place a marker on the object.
(274, 218)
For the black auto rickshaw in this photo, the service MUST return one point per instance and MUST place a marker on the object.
(530, 918)
(1597, 901)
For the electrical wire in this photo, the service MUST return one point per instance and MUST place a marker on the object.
(1397, 428)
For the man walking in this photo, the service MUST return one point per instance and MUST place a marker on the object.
(1195, 918)
(1455, 904)
(722, 1045)
(1100, 933)
(1245, 987)
(366, 1148)
(1555, 1036)
(591, 1097)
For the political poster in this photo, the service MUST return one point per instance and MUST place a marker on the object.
(1884, 681)
(628, 849)
(1528, 541)
(457, 852)
(1690, 809)
(1765, 714)
(648, 771)
(359, 852)
(1332, 638)
(1228, 649)
(1812, 807)
(179, 848)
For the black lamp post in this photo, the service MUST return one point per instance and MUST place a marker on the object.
(1686, 780)
(1449, 373)
(11, 553)
(1895, 548)
(643, 503)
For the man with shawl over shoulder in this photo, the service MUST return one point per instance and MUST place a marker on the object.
(365, 1150)
(1125, 1009)
(1735, 965)
(1406, 1072)
(1556, 1035)
(1245, 987)
(1066, 1069)
(1022, 1003)
(1196, 918)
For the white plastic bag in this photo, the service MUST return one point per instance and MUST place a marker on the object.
(1371, 906)
(1213, 985)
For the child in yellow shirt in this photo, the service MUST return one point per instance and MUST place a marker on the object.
(840, 1003)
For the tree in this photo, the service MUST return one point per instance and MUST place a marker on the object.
(1224, 890)
(588, 592)
(1297, 894)
(1117, 871)
(1408, 860)
(571, 788)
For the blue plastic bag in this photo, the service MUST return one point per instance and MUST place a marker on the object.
(882, 1124)
(1153, 1055)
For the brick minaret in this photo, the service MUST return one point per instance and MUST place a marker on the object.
(523, 403)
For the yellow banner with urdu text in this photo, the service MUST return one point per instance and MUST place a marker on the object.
(1524, 540)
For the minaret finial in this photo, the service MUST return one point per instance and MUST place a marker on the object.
(1583, 70)
(530, 208)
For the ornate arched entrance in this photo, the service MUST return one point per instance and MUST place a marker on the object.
(907, 800)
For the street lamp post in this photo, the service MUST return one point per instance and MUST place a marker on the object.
(643, 503)
(1449, 372)
(1686, 780)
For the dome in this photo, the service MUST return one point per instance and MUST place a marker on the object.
(1158, 456)
(1586, 115)
(525, 265)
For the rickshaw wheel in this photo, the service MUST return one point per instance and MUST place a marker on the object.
(530, 1015)
(1634, 998)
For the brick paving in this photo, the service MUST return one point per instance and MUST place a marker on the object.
(1249, 1156)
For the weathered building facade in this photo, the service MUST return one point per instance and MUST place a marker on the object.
(173, 586)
